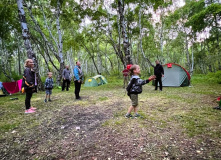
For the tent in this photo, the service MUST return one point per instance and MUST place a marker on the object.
(175, 76)
(95, 81)
(2, 91)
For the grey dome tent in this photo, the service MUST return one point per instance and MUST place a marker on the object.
(175, 76)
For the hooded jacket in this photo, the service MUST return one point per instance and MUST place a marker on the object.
(28, 80)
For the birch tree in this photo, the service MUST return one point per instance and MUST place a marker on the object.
(27, 42)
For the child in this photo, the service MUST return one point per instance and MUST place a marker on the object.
(48, 87)
(28, 83)
(219, 102)
(134, 88)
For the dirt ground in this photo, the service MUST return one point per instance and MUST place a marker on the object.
(95, 128)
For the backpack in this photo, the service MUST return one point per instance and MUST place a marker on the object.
(133, 87)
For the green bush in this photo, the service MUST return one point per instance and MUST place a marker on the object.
(214, 77)
(15, 76)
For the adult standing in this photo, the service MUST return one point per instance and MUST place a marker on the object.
(126, 76)
(29, 83)
(159, 73)
(66, 78)
(78, 79)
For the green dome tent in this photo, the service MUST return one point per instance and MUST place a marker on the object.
(95, 81)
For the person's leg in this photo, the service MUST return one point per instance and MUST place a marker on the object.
(68, 84)
(124, 81)
(79, 89)
(130, 109)
(76, 89)
(156, 83)
(49, 95)
(28, 99)
(135, 109)
(134, 101)
(63, 85)
(46, 97)
(160, 82)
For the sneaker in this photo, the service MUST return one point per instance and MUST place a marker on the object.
(33, 108)
(79, 98)
(137, 115)
(218, 107)
(49, 100)
(45, 100)
(29, 111)
(128, 116)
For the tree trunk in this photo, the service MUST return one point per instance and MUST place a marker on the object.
(92, 57)
(27, 42)
(60, 43)
(51, 47)
(140, 39)
(187, 54)
(124, 32)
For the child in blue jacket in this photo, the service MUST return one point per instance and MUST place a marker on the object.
(48, 87)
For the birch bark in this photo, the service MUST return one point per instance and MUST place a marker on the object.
(27, 42)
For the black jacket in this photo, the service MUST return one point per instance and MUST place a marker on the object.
(158, 70)
(135, 85)
(28, 80)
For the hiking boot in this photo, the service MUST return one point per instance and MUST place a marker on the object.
(29, 111)
(137, 115)
(45, 100)
(128, 116)
(49, 100)
(78, 98)
(218, 107)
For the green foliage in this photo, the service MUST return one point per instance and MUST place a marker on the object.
(214, 77)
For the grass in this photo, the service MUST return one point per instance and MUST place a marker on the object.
(177, 121)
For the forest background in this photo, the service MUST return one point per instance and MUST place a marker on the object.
(106, 35)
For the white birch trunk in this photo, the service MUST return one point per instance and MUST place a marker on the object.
(124, 32)
(27, 42)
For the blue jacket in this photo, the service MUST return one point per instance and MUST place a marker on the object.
(78, 74)
(49, 83)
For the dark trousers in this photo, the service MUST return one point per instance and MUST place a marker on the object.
(77, 89)
(158, 79)
(29, 93)
(68, 84)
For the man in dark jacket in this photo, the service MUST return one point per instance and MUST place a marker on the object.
(159, 73)
(66, 78)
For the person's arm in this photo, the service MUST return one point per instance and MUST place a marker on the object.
(162, 70)
(63, 73)
(52, 83)
(143, 82)
(76, 74)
